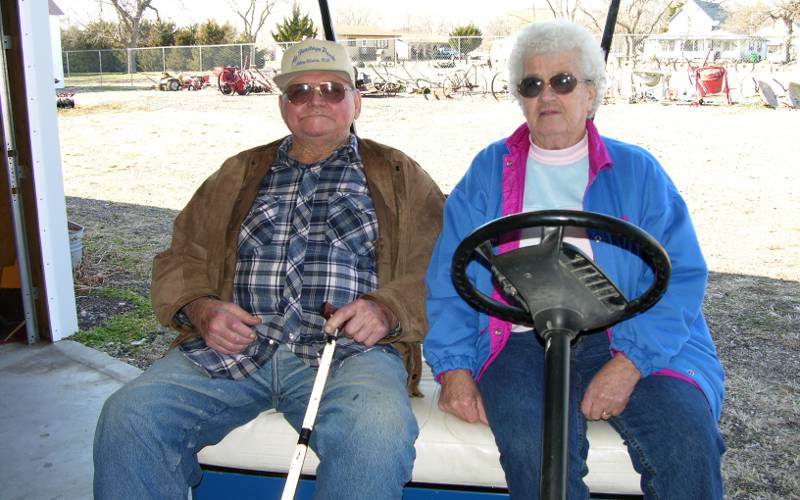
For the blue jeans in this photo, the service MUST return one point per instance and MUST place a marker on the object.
(150, 430)
(671, 435)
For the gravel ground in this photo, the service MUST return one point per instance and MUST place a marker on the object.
(131, 159)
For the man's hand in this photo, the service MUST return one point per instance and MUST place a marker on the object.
(365, 321)
(460, 397)
(226, 327)
(610, 389)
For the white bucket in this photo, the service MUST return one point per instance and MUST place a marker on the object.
(75, 243)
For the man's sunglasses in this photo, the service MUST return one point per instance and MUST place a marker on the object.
(562, 84)
(301, 93)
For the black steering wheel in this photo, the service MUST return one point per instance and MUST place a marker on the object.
(553, 285)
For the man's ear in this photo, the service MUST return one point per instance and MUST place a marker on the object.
(281, 104)
(356, 103)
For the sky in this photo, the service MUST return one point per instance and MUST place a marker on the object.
(388, 13)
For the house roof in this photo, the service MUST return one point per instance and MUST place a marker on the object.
(54, 9)
(712, 9)
(344, 30)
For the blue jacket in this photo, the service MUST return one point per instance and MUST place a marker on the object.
(625, 181)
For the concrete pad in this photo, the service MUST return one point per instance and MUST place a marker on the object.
(50, 398)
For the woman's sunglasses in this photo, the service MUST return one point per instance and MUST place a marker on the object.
(562, 84)
(301, 93)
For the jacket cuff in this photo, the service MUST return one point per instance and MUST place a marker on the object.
(441, 366)
(636, 356)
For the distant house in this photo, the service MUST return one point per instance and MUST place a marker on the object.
(777, 36)
(695, 33)
(55, 43)
(367, 43)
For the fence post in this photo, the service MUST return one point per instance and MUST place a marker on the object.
(100, 59)
(241, 56)
(164, 59)
(131, 63)
(68, 73)
(201, 57)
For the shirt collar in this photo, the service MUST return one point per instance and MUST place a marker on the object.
(348, 150)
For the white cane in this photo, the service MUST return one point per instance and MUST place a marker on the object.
(299, 455)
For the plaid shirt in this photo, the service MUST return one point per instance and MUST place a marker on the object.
(338, 265)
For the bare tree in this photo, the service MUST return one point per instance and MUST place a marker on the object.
(254, 14)
(747, 17)
(567, 9)
(357, 16)
(787, 11)
(637, 20)
(130, 14)
(422, 23)
(504, 25)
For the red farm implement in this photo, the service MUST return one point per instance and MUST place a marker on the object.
(182, 82)
(233, 80)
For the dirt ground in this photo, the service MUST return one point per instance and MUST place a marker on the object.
(131, 159)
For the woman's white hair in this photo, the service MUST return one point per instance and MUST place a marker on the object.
(554, 37)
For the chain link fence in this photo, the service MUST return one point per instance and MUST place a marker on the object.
(142, 67)
(658, 66)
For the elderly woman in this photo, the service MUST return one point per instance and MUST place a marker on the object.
(655, 377)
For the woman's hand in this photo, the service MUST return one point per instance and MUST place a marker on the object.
(460, 397)
(610, 389)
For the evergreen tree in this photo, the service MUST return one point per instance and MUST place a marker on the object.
(466, 45)
(187, 35)
(212, 33)
(95, 35)
(294, 28)
(157, 33)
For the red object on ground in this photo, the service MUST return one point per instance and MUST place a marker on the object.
(711, 80)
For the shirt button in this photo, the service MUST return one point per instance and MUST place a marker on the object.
(291, 336)
(498, 332)
(690, 372)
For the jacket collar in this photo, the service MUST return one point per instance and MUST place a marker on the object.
(599, 159)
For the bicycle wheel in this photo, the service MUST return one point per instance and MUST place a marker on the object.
(453, 88)
(225, 86)
(499, 87)
(478, 86)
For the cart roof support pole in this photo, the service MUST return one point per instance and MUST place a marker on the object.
(327, 26)
(608, 31)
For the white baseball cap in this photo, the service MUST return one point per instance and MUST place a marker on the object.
(315, 55)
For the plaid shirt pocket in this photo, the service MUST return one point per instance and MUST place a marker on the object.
(352, 225)
(260, 225)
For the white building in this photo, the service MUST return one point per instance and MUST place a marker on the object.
(695, 34)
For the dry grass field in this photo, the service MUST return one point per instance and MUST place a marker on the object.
(132, 158)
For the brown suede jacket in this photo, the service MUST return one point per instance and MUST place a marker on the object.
(202, 257)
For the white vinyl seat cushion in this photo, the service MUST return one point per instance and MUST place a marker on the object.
(449, 451)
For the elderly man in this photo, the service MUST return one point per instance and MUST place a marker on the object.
(318, 216)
